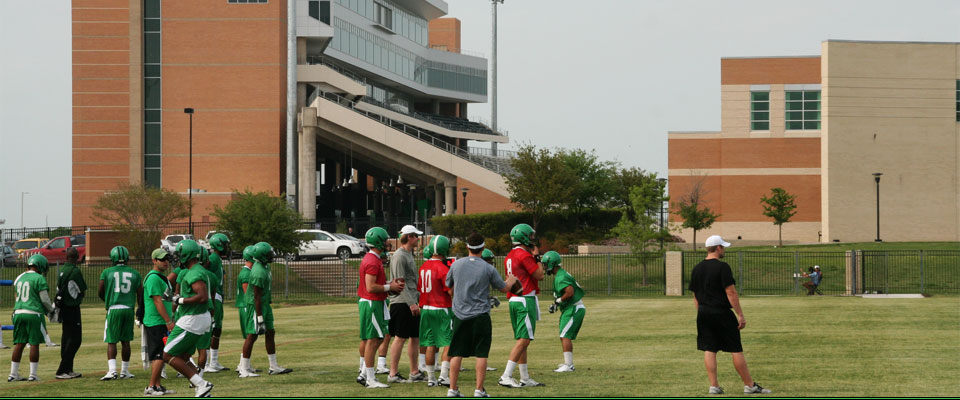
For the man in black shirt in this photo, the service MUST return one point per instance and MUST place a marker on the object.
(718, 328)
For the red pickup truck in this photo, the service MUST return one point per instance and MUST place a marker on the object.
(56, 249)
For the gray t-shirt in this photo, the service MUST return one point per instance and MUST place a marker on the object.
(471, 279)
(403, 266)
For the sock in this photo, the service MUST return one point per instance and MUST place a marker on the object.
(508, 371)
(363, 364)
(273, 361)
(124, 366)
(371, 374)
(33, 368)
(381, 362)
(421, 361)
(196, 380)
(524, 373)
(14, 368)
(568, 357)
(445, 369)
(429, 369)
(111, 365)
(245, 364)
(214, 357)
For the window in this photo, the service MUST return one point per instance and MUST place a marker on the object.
(57, 244)
(383, 15)
(152, 59)
(803, 110)
(247, 1)
(958, 100)
(320, 10)
(759, 111)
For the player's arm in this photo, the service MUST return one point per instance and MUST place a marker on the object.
(508, 283)
(200, 288)
(100, 291)
(735, 302)
(45, 299)
(257, 299)
(567, 294)
(374, 287)
(158, 303)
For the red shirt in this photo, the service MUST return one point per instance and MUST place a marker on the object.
(433, 284)
(521, 264)
(371, 265)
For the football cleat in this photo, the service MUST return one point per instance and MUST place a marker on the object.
(204, 389)
(396, 379)
(15, 378)
(361, 379)
(454, 393)
(125, 375)
(280, 370)
(445, 382)
(564, 368)
(715, 390)
(165, 390)
(507, 381)
(151, 391)
(375, 384)
(214, 368)
(755, 389)
(432, 383)
(491, 368)
(417, 377)
(383, 370)
(247, 374)
(3, 346)
(480, 393)
(75, 374)
(530, 383)
(33, 378)
(111, 375)
(63, 376)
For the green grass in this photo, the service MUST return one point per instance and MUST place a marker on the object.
(796, 346)
(855, 246)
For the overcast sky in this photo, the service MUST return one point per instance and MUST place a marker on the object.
(609, 75)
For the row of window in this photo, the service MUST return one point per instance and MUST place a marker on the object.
(392, 17)
(247, 1)
(151, 93)
(958, 100)
(319, 10)
(802, 110)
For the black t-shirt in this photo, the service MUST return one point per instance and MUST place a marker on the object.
(708, 282)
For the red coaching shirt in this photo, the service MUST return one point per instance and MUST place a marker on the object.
(371, 265)
(521, 264)
(433, 284)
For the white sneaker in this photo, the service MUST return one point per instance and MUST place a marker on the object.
(362, 379)
(280, 370)
(33, 378)
(15, 378)
(3, 346)
(375, 384)
(203, 390)
(110, 376)
(480, 393)
(52, 345)
(715, 390)
(63, 376)
(564, 368)
(445, 382)
(454, 393)
(247, 374)
(755, 389)
(150, 391)
(417, 377)
(530, 383)
(432, 383)
(491, 368)
(396, 379)
(507, 381)
(382, 370)
(75, 374)
(125, 375)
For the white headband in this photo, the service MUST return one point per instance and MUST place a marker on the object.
(477, 247)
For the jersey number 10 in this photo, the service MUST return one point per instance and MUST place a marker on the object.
(426, 283)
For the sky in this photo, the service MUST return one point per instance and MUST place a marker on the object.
(609, 75)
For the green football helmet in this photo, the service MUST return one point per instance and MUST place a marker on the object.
(187, 250)
(220, 243)
(427, 251)
(440, 245)
(263, 253)
(522, 234)
(551, 261)
(487, 255)
(377, 237)
(248, 253)
(119, 255)
(39, 262)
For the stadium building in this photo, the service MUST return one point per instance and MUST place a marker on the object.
(820, 127)
(383, 91)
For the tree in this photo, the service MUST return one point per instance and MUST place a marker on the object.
(594, 179)
(694, 213)
(259, 217)
(780, 206)
(139, 213)
(541, 181)
(623, 181)
(639, 225)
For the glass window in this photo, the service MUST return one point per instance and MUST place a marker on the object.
(151, 162)
(151, 116)
(323, 236)
(803, 110)
(151, 177)
(58, 244)
(151, 139)
(151, 48)
(759, 111)
(151, 70)
(151, 93)
(314, 9)
(958, 100)
(151, 9)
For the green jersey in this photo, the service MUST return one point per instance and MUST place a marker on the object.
(154, 285)
(212, 290)
(216, 266)
(71, 286)
(120, 286)
(195, 274)
(560, 282)
(29, 285)
(261, 277)
(244, 277)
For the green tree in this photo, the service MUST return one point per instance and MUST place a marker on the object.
(639, 226)
(541, 182)
(52, 233)
(781, 207)
(623, 181)
(594, 179)
(139, 214)
(259, 217)
(692, 210)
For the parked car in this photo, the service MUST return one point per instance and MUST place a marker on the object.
(29, 244)
(56, 249)
(363, 243)
(169, 243)
(324, 244)
(8, 256)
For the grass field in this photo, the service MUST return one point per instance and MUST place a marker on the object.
(796, 346)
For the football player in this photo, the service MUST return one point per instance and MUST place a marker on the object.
(372, 290)
(436, 316)
(567, 295)
(32, 301)
(220, 246)
(121, 290)
(524, 263)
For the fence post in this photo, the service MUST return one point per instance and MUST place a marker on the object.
(343, 278)
(740, 281)
(796, 273)
(674, 273)
(886, 272)
(609, 275)
(286, 279)
(921, 271)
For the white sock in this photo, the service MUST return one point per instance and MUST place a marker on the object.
(196, 380)
(524, 373)
(33, 368)
(111, 365)
(273, 361)
(508, 371)
(421, 361)
(371, 374)
(363, 364)
(568, 357)
(14, 368)
(245, 364)
(445, 369)
(214, 357)
(192, 363)
(429, 369)
(124, 366)
(381, 362)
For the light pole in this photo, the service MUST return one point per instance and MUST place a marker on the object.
(189, 111)
(493, 78)
(21, 208)
(876, 178)
(464, 190)
(413, 208)
(662, 182)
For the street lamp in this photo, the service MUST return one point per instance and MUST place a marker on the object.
(413, 207)
(21, 208)
(662, 182)
(464, 190)
(876, 178)
(189, 111)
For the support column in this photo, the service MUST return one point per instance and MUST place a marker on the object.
(438, 200)
(674, 272)
(308, 164)
(451, 197)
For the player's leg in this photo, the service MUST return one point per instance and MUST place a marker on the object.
(373, 328)
(369, 359)
(270, 342)
(530, 323)
(422, 358)
(179, 346)
(710, 363)
(483, 337)
(570, 323)
(382, 352)
(740, 363)
(214, 364)
(125, 359)
(15, 358)
(519, 320)
(34, 361)
(111, 362)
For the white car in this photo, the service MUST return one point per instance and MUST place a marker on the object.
(169, 243)
(324, 244)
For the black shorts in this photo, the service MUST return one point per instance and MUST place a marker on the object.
(403, 324)
(471, 337)
(717, 330)
(155, 335)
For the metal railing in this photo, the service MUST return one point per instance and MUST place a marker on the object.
(910, 271)
(487, 152)
(443, 47)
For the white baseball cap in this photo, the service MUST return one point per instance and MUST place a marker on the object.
(716, 240)
(408, 229)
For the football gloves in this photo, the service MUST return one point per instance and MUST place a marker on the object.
(261, 327)
(494, 301)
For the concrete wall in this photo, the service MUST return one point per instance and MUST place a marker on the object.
(890, 108)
